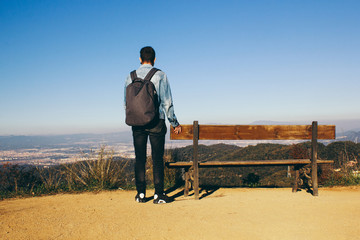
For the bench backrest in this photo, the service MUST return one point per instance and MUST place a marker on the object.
(254, 132)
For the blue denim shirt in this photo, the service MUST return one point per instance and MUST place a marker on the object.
(163, 89)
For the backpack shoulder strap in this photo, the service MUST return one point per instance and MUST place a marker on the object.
(133, 75)
(151, 74)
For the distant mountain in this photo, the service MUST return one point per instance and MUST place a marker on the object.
(349, 136)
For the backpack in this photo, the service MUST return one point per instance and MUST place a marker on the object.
(142, 105)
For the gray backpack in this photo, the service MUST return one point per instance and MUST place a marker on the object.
(142, 105)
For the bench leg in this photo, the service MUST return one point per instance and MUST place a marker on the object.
(314, 149)
(187, 183)
(196, 159)
(296, 179)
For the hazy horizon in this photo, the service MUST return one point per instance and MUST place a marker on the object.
(341, 126)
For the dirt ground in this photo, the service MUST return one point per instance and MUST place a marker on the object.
(236, 213)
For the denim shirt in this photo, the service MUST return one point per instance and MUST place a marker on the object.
(163, 89)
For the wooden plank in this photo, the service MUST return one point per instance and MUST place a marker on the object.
(257, 163)
(178, 164)
(247, 163)
(255, 132)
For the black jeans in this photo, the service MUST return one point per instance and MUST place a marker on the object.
(156, 134)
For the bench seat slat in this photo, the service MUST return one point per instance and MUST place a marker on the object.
(247, 163)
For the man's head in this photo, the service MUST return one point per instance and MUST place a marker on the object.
(147, 55)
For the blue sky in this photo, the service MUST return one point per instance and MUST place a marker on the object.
(63, 63)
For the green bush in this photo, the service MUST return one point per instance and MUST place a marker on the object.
(341, 179)
(16, 180)
(252, 180)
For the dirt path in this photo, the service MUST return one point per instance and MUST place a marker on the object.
(225, 214)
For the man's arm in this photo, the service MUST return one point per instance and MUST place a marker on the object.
(167, 102)
(127, 82)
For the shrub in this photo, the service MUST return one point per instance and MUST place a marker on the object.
(252, 180)
(96, 173)
(341, 179)
(17, 180)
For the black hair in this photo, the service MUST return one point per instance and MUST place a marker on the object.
(147, 54)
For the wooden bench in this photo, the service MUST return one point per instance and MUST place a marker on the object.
(198, 132)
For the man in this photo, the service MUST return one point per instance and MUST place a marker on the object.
(155, 132)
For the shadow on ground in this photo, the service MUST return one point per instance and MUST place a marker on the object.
(178, 191)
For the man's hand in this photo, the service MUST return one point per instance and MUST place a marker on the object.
(177, 129)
